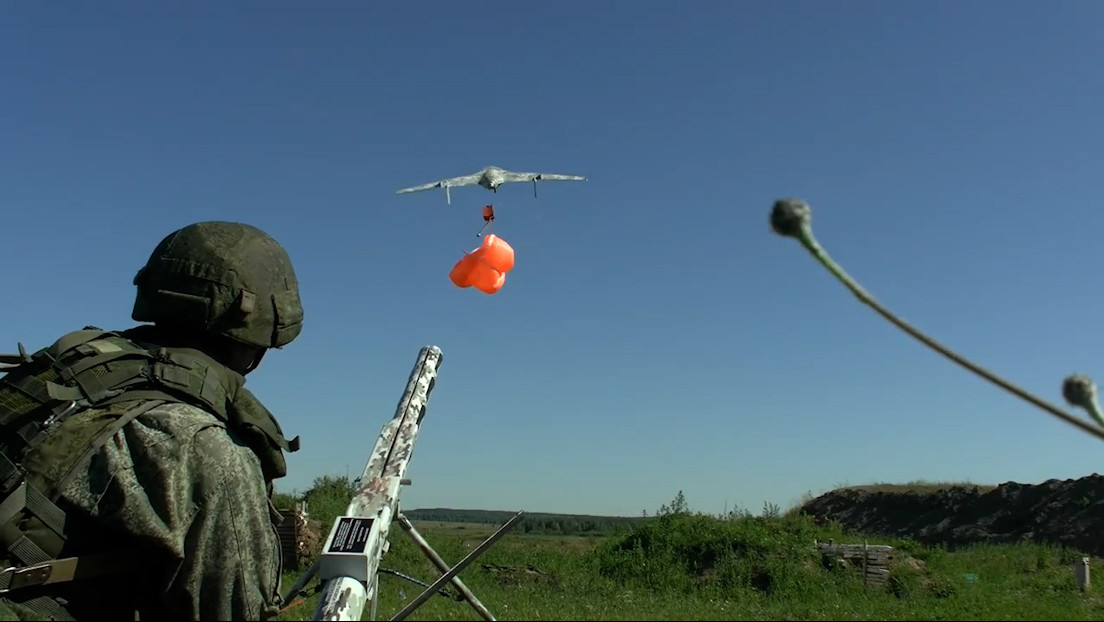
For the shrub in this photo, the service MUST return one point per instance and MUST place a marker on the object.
(689, 552)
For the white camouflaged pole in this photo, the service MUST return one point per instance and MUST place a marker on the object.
(377, 495)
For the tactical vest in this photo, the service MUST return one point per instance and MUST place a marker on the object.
(43, 446)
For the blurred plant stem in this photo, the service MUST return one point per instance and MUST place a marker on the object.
(793, 218)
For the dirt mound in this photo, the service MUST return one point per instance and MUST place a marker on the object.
(1067, 512)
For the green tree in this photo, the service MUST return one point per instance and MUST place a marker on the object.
(678, 505)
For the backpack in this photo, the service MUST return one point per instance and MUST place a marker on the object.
(112, 378)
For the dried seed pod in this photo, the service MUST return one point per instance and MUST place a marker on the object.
(789, 217)
(1080, 390)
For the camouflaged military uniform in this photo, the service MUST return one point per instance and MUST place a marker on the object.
(136, 470)
(209, 513)
(206, 514)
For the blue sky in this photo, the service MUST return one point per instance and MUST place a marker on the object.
(654, 335)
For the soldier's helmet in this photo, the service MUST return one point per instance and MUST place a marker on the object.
(222, 278)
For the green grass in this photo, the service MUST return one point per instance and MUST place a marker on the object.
(687, 566)
(681, 565)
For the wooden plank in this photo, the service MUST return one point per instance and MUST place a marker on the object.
(871, 561)
(288, 532)
(859, 555)
(873, 548)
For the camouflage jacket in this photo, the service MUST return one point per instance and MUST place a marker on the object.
(178, 483)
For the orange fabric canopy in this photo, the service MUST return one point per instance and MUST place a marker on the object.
(484, 268)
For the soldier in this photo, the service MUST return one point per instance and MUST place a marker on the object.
(135, 468)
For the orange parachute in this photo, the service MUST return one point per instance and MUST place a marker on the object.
(484, 268)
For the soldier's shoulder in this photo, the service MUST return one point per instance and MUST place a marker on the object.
(182, 413)
(208, 444)
(180, 420)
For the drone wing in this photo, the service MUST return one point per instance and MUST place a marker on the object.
(558, 177)
(463, 180)
(510, 176)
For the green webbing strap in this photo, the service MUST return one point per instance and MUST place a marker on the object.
(31, 498)
(92, 388)
(193, 377)
(10, 474)
(26, 551)
(62, 571)
(141, 395)
(47, 511)
(32, 431)
(96, 388)
(177, 377)
(70, 569)
(125, 418)
(182, 373)
(39, 567)
(13, 504)
(212, 391)
(64, 393)
(72, 340)
(84, 364)
(30, 386)
(47, 608)
(44, 393)
(125, 371)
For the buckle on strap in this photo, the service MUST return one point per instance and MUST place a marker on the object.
(70, 569)
(15, 578)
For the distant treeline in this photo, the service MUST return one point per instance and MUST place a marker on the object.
(534, 523)
(329, 495)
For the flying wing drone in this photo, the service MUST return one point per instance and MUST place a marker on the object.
(491, 178)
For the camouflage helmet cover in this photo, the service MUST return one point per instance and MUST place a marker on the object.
(225, 278)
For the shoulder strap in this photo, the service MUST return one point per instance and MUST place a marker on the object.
(28, 497)
(95, 368)
(261, 432)
(40, 568)
(69, 569)
(90, 368)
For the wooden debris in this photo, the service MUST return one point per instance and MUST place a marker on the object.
(872, 560)
(299, 537)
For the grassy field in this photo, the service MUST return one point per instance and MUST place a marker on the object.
(687, 566)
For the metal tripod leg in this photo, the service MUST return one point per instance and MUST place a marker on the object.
(443, 567)
(302, 582)
(455, 570)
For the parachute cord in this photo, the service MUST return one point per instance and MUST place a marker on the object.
(488, 217)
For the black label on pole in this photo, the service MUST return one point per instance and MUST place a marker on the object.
(350, 535)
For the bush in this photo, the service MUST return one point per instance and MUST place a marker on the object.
(735, 554)
(328, 498)
(285, 501)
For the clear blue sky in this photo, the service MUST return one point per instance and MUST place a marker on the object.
(654, 334)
